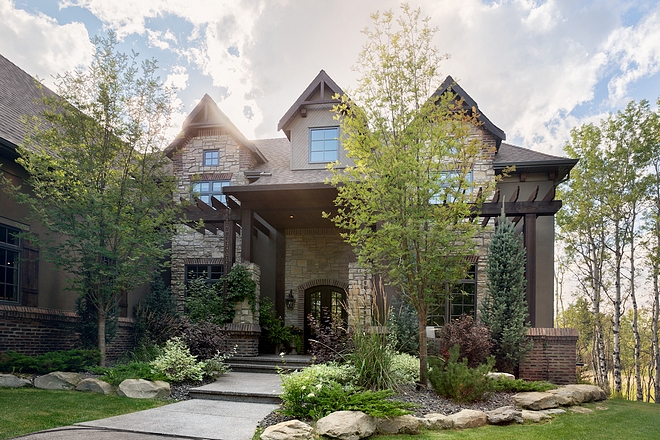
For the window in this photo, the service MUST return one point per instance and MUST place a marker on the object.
(448, 183)
(462, 301)
(206, 189)
(10, 253)
(323, 144)
(211, 158)
(212, 273)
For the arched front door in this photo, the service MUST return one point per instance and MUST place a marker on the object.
(326, 304)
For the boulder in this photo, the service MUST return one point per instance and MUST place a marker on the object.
(497, 376)
(144, 389)
(469, 418)
(95, 386)
(591, 392)
(535, 401)
(290, 430)
(504, 415)
(437, 421)
(534, 416)
(346, 425)
(11, 381)
(580, 410)
(398, 425)
(553, 411)
(567, 396)
(58, 380)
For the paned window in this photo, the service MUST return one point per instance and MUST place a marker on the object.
(323, 144)
(10, 253)
(448, 182)
(206, 189)
(212, 273)
(462, 301)
(211, 158)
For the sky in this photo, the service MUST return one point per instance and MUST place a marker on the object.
(536, 68)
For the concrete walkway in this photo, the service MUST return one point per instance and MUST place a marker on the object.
(190, 419)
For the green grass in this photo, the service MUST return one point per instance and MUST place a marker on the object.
(26, 410)
(622, 420)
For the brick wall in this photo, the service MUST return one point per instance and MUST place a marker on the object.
(553, 356)
(245, 337)
(34, 331)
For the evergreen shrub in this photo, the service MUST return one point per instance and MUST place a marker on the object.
(64, 360)
(454, 379)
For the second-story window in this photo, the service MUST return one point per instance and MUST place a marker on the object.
(211, 158)
(206, 189)
(323, 144)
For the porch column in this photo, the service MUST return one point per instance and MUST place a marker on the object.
(247, 223)
(529, 237)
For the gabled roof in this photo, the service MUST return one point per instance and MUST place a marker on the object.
(318, 92)
(449, 85)
(207, 115)
(20, 95)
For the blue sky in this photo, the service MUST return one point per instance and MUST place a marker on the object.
(536, 68)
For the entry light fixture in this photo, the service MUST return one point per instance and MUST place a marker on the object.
(290, 301)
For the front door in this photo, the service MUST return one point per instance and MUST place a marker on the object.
(327, 304)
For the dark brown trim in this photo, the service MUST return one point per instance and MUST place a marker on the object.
(529, 237)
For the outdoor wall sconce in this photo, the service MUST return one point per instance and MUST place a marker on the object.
(290, 301)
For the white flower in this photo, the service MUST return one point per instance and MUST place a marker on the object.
(310, 395)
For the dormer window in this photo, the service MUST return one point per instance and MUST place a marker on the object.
(211, 158)
(323, 144)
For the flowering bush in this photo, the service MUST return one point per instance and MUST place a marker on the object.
(177, 364)
(405, 368)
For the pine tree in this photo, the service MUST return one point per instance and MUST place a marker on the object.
(504, 309)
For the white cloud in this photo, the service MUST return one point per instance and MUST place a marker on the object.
(177, 78)
(39, 45)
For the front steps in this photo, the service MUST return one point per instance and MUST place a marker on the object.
(269, 363)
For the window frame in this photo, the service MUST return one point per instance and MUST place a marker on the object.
(16, 249)
(206, 160)
(324, 142)
(457, 290)
(208, 272)
(203, 195)
(446, 177)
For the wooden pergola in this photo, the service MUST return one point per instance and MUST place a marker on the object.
(299, 206)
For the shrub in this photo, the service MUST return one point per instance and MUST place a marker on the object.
(145, 351)
(65, 360)
(521, 386)
(216, 366)
(204, 339)
(156, 316)
(277, 333)
(403, 323)
(405, 368)
(87, 322)
(331, 341)
(177, 364)
(455, 380)
(472, 338)
(133, 370)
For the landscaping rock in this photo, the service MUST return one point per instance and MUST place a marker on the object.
(144, 389)
(500, 376)
(11, 381)
(469, 418)
(290, 430)
(580, 410)
(534, 416)
(346, 425)
(437, 421)
(567, 396)
(398, 425)
(504, 416)
(58, 380)
(553, 411)
(535, 401)
(591, 392)
(95, 386)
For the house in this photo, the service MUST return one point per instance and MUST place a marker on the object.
(37, 311)
(261, 201)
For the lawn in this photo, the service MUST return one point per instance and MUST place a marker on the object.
(26, 410)
(622, 420)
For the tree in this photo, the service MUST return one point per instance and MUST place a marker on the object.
(405, 204)
(504, 309)
(99, 179)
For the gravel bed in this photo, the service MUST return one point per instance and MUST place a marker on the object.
(179, 390)
(428, 401)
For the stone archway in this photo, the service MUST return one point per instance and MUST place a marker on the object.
(300, 296)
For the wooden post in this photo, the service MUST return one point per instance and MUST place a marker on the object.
(280, 266)
(247, 224)
(529, 236)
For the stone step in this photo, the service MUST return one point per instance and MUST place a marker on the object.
(241, 387)
(268, 363)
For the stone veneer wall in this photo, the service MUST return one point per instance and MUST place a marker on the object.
(34, 331)
(553, 356)
(205, 248)
(313, 254)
